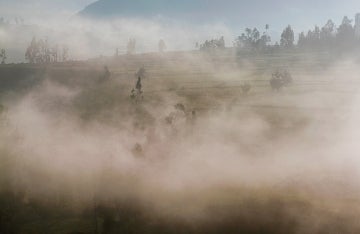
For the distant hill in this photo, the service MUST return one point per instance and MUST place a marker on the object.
(194, 11)
(144, 8)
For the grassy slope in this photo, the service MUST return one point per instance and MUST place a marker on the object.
(197, 85)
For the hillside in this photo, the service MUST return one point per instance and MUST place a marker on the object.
(142, 8)
(230, 12)
(111, 159)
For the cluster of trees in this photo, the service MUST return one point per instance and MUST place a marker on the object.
(252, 39)
(213, 44)
(17, 21)
(3, 56)
(345, 36)
(287, 38)
(40, 51)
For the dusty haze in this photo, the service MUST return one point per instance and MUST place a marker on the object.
(285, 161)
(195, 154)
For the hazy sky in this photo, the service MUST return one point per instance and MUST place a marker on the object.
(228, 18)
(30, 9)
(302, 14)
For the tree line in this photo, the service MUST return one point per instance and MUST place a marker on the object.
(40, 51)
(16, 21)
(345, 36)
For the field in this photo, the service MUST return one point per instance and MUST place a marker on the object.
(78, 155)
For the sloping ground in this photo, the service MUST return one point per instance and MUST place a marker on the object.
(258, 124)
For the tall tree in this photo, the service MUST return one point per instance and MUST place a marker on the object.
(287, 37)
(357, 26)
(252, 39)
(302, 42)
(327, 34)
(33, 51)
(3, 56)
(162, 46)
(346, 33)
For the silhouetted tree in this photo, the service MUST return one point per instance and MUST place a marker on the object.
(251, 39)
(39, 51)
(106, 75)
(263, 42)
(280, 79)
(313, 38)
(3, 56)
(346, 33)
(221, 43)
(302, 42)
(214, 44)
(137, 92)
(287, 37)
(319, 38)
(33, 51)
(357, 26)
(162, 46)
(248, 39)
(327, 34)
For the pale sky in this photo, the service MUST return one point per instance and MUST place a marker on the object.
(41, 9)
(302, 14)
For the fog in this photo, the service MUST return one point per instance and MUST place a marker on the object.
(260, 162)
(298, 149)
(87, 38)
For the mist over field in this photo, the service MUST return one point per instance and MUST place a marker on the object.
(87, 38)
(143, 125)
